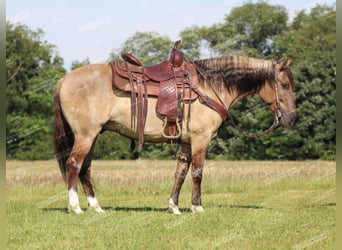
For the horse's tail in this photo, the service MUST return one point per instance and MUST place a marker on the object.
(64, 137)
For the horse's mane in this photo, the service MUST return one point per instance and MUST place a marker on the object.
(243, 74)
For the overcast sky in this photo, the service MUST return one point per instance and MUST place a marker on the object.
(92, 28)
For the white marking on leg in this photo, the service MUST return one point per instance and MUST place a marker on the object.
(173, 208)
(74, 162)
(93, 204)
(197, 209)
(74, 204)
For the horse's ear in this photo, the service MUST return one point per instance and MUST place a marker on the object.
(285, 64)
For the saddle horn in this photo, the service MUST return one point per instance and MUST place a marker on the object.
(177, 56)
(175, 46)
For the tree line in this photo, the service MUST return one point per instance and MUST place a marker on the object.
(254, 29)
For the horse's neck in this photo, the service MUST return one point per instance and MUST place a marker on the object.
(238, 98)
(228, 99)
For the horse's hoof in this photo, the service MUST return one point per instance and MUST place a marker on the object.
(75, 209)
(173, 208)
(93, 205)
(197, 209)
(97, 209)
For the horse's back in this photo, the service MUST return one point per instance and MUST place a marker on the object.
(87, 78)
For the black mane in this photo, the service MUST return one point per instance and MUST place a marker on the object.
(243, 74)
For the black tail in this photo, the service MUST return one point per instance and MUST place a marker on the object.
(64, 137)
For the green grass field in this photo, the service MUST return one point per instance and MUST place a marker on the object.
(248, 205)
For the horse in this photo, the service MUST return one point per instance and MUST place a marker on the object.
(85, 105)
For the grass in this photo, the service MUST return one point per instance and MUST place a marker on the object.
(248, 205)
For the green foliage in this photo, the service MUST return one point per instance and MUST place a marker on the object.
(33, 68)
(249, 29)
(113, 146)
(149, 47)
(29, 137)
(255, 29)
(76, 64)
(309, 35)
(313, 47)
(191, 42)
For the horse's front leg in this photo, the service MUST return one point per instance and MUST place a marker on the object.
(198, 158)
(180, 175)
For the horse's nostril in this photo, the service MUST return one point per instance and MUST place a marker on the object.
(292, 122)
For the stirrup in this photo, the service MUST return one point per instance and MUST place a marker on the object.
(172, 137)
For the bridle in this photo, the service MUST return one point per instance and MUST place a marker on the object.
(277, 113)
(277, 116)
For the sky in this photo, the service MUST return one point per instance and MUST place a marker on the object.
(93, 28)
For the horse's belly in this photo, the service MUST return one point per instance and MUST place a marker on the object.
(152, 131)
(123, 122)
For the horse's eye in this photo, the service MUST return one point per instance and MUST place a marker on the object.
(285, 85)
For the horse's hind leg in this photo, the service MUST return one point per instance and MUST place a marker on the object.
(180, 175)
(80, 150)
(84, 176)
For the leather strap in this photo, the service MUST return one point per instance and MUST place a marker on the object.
(133, 97)
(139, 101)
(211, 103)
(140, 112)
(214, 105)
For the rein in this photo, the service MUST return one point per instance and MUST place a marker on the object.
(277, 116)
(224, 111)
(247, 134)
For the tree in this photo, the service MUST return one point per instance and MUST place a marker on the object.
(76, 64)
(248, 30)
(33, 68)
(311, 41)
(149, 47)
(191, 43)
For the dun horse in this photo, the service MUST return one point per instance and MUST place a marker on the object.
(86, 102)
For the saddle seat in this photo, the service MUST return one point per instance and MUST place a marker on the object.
(159, 72)
(152, 76)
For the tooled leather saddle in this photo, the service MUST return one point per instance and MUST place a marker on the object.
(169, 81)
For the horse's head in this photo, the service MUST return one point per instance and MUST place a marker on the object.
(280, 95)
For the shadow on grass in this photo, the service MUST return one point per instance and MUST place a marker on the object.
(164, 210)
(244, 206)
(120, 209)
(143, 209)
(330, 204)
(55, 209)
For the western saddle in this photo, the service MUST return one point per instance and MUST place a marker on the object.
(169, 81)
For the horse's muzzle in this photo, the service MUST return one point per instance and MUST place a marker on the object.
(288, 119)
